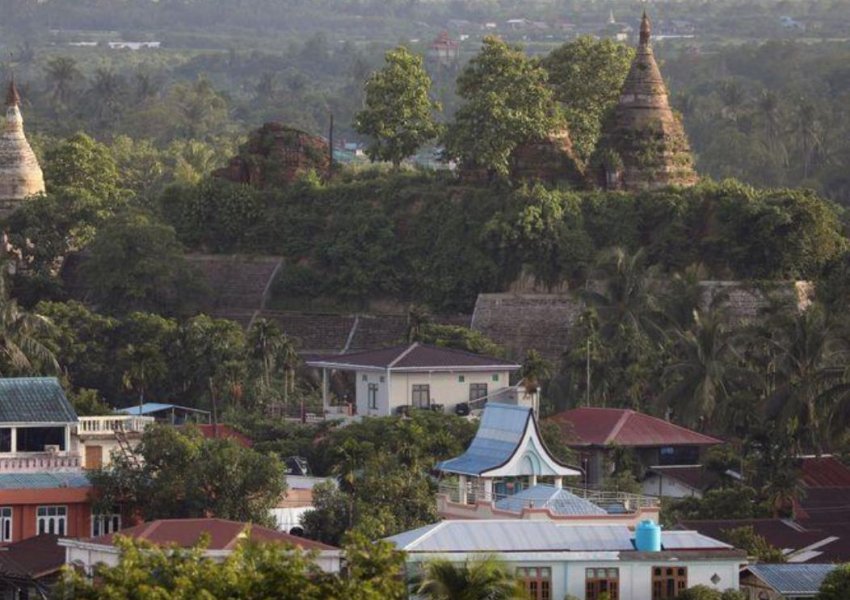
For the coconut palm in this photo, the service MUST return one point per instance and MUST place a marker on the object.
(534, 368)
(62, 72)
(22, 335)
(485, 578)
(705, 369)
(265, 347)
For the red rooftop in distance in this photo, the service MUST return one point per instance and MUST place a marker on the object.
(223, 537)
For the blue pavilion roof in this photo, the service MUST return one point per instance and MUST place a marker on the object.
(499, 434)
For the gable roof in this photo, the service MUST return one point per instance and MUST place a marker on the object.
(413, 357)
(153, 407)
(792, 579)
(527, 535)
(500, 433)
(223, 534)
(589, 426)
(34, 400)
(694, 476)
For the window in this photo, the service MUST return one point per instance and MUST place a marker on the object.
(602, 581)
(6, 439)
(668, 582)
(461, 378)
(373, 395)
(477, 390)
(5, 524)
(678, 455)
(382, 379)
(51, 519)
(495, 377)
(105, 523)
(364, 378)
(421, 396)
(34, 439)
(537, 582)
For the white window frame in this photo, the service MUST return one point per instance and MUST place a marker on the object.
(55, 523)
(6, 524)
(105, 523)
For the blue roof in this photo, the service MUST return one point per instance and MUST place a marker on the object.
(558, 501)
(499, 434)
(38, 481)
(152, 407)
(791, 578)
(34, 400)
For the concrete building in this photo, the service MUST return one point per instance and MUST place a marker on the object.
(20, 173)
(418, 376)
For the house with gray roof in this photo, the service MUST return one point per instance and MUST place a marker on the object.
(585, 561)
(417, 376)
(786, 581)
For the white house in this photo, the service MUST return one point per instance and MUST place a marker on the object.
(417, 376)
(584, 561)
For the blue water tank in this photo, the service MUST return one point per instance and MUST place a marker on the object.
(648, 536)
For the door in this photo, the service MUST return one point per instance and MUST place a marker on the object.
(94, 457)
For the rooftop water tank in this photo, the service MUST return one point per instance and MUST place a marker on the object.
(648, 536)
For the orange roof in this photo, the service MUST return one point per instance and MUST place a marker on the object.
(623, 427)
(223, 534)
(225, 432)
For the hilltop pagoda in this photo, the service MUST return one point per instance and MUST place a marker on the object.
(643, 144)
(20, 173)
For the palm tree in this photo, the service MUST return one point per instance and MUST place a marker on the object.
(417, 318)
(705, 369)
(107, 90)
(62, 72)
(807, 131)
(810, 354)
(265, 347)
(534, 368)
(22, 349)
(485, 578)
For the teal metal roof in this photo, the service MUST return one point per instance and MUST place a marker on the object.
(39, 481)
(499, 434)
(154, 407)
(34, 400)
(792, 579)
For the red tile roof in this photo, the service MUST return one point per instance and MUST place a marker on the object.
(223, 535)
(412, 357)
(225, 432)
(623, 427)
(824, 471)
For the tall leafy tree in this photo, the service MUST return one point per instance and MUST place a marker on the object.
(399, 112)
(587, 75)
(506, 102)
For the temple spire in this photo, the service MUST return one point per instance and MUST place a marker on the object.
(645, 30)
(13, 98)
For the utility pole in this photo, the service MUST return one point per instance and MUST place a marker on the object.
(331, 148)
(587, 376)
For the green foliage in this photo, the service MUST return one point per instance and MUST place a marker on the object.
(703, 592)
(81, 163)
(182, 474)
(836, 585)
(136, 263)
(483, 577)
(723, 503)
(587, 75)
(253, 571)
(459, 338)
(398, 116)
(506, 103)
(755, 545)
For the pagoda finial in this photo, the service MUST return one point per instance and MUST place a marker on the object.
(13, 98)
(645, 30)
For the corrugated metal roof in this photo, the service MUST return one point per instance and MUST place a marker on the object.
(38, 481)
(558, 501)
(690, 540)
(34, 400)
(516, 535)
(152, 407)
(412, 357)
(792, 578)
(500, 432)
(624, 427)
(824, 471)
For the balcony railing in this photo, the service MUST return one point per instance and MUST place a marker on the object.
(107, 426)
(612, 502)
(40, 461)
